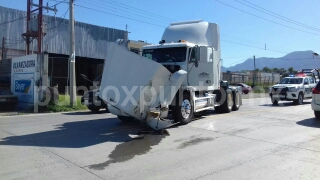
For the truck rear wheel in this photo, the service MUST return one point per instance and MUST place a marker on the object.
(183, 112)
(227, 105)
(236, 101)
(217, 109)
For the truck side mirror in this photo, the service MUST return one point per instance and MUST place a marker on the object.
(197, 53)
(194, 54)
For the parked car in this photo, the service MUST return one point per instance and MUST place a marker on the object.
(91, 98)
(315, 102)
(245, 88)
(8, 101)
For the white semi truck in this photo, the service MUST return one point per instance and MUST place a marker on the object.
(172, 80)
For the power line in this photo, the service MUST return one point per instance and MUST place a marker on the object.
(238, 62)
(254, 46)
(265, 44)
(13, 44)
(12, 20)
(164, 27)
(263, 10)
(286, 59)
(138, 10)
(59, 2)
(119, 16)
(266, 19)
(62, 18)
(115, 8)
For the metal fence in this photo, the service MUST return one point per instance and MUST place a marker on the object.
(265, 79)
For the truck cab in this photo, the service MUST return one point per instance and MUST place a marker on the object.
(180, 75)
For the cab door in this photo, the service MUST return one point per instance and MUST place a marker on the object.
(200, 66)
(307, 88)
(312, 83)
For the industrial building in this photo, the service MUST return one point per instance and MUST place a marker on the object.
(90, 45)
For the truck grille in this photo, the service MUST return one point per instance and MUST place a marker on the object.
(280, 90)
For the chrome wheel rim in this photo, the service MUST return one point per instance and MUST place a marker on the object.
(237, 100)
(230, 104)
(185, 108)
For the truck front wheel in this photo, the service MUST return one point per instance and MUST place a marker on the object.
(183, 112)
(94, 109)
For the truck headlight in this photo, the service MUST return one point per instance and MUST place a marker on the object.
(292, 89)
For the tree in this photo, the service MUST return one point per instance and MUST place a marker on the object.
(291, 70)
(266, 69)
(282, 71)
(275, 70)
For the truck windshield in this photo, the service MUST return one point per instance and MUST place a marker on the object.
(291, 81)
(161, 55)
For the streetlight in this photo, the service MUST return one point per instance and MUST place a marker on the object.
(316, 54)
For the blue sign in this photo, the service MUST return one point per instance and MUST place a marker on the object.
(22, 86)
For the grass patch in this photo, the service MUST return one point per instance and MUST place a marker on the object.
(63, 105)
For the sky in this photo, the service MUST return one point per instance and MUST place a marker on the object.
(261, 28)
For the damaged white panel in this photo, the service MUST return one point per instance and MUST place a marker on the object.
(134, 84)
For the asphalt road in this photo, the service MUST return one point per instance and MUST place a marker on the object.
(259, 141)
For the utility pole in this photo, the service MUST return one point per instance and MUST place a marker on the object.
(2, 52)
(254, 71)
(72, 58)
(32, 33)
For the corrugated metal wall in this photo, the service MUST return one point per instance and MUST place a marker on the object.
(90, 40)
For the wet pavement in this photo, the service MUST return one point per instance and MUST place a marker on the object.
(260, 141)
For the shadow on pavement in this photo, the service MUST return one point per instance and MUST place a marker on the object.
(78, 134)
(311, 122)
(86, 112)
(284, 104)
(82, 134)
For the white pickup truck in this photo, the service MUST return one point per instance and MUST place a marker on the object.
(294, 89)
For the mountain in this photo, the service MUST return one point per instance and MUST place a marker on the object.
(298, 60)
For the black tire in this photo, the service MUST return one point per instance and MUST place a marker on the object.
(274, 101)
(299, 101)
(227, 105)
(217, 109)
(126, 118)
(236, 101)
(94, 109)
(317, 114)
(183, 111)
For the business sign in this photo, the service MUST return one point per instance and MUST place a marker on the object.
(23, 77)
(22, 86)
(23, 66)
